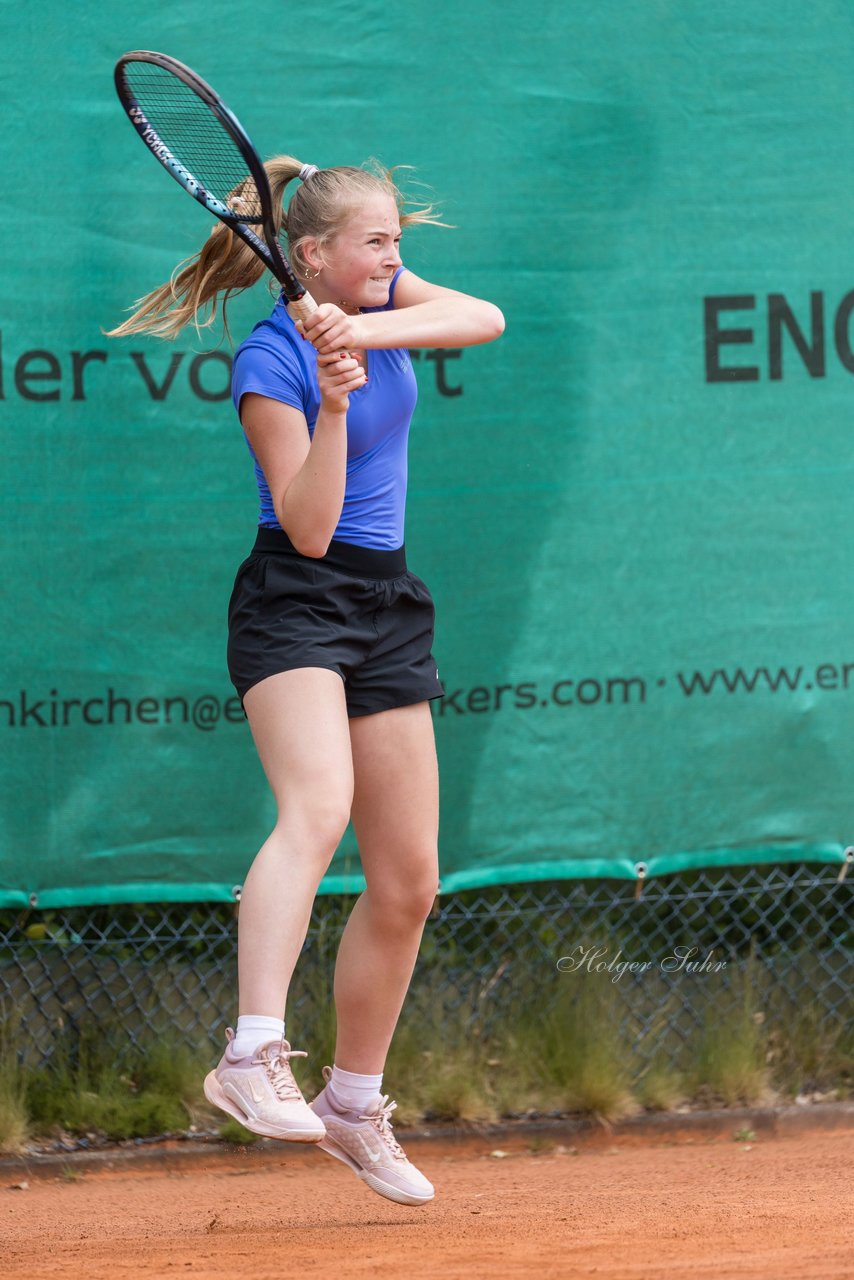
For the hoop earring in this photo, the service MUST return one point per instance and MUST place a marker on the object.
(310, 275)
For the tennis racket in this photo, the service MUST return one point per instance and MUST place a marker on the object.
(200, 142)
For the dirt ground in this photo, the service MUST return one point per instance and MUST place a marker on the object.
(610, 1208)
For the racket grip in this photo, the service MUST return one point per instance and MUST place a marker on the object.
(302, 309)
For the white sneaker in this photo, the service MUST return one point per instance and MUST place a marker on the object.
(260, 1091)
(364, 1140)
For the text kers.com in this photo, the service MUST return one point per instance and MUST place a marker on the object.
(528, 695)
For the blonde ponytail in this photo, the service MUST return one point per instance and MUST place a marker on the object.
(225, 265)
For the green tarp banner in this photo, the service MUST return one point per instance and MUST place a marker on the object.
(634, 511)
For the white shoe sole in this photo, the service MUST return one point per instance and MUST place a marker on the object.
(373, 1181)
(291, 1133)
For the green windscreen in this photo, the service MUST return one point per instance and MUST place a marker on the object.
(633, 510)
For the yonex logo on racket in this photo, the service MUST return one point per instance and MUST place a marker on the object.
(159, 148)
(149, 134)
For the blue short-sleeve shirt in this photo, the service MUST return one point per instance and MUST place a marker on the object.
(276, 361)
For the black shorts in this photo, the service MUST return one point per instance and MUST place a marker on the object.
(356, 610)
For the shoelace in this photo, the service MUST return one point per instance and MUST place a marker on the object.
(382, 1120)
(276, 1060)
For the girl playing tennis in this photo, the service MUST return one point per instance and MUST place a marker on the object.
(329, 644)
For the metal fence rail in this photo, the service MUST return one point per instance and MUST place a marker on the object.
(134, 972)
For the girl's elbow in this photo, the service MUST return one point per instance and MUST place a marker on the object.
(313, 550)
(494, 321)
(308, 542)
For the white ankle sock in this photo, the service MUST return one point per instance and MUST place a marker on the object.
(253, 1030)
(352, 1090)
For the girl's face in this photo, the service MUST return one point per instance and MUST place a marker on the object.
(359, 262)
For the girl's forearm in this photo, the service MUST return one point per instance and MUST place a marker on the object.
(455, 321)
(310, 508)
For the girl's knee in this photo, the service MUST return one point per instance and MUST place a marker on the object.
(406, 898)
(317, 825)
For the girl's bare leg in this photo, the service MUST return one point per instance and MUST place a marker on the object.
(299, 723)
(396, 819)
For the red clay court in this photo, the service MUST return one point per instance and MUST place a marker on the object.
(609, 1207)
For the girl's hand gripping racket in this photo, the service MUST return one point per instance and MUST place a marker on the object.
(197, 139)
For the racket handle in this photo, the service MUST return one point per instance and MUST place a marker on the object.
(302, 309)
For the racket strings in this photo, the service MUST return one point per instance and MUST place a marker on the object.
(195, 136)
(245, 201)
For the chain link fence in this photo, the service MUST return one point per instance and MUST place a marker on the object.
(667, 955)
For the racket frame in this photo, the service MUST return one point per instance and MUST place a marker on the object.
(268, 249)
